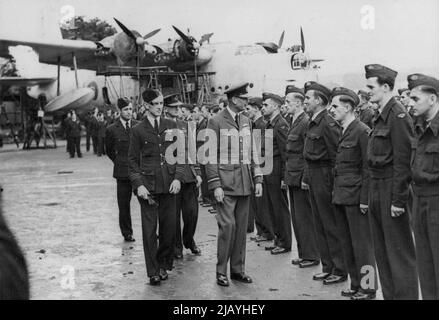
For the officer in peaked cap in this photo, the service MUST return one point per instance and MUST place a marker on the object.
(172, 106)
(350, 195)
(275, 181)
(320, 151)
(424, 100)
(389, 153)
(295, 175)
(232, 193)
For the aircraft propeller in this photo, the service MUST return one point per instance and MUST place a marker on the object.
(192, 45)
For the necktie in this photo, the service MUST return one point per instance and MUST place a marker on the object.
(237, 120)
(156, 125)
(127, 127)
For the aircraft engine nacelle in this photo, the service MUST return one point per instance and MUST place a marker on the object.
(185, 51)
(125, 48)
(299, 61)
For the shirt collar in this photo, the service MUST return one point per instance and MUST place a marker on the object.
(315, 115)
(274, 116)
(233, 114)
(345, 126)
(434, 124)
(124, 122)
(297, 116)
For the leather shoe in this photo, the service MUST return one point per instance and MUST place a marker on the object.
(261, 239)
(364, 296)
(129, 238)
(270, 247)
(308, 263)
(348, 292)
(222, 280)
(296, 262)
(195, 250)
(280, 250)
(154, 280)
(163, 274)
(333, 279)
(241, 277)
(321, 276)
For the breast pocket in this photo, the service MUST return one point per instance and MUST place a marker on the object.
(294, 144)
(315, 144)
(348, 151)
(431, 162)
(381, 144)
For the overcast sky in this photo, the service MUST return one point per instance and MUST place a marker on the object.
(406, 34)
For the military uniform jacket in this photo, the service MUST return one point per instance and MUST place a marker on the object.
(146, 157)
(425, 159)
(280, 132)
(321, 140)
(73, 128)
(351, 181)
(117, 143)
(389, 149)
(296, 165)
(94, 126)
(234, 179)
(201, 126)
(366, 116)
(191, 171)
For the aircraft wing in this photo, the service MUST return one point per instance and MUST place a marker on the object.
(49, 52)
(25, 82)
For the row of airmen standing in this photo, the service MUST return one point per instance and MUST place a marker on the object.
(356, 180)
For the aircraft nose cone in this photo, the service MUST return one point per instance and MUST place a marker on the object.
(204, 56)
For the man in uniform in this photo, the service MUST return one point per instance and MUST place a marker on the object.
(117, 145)
(351, 187)
(186, 199)
(258, 205)
(295, 178)
(232, 184)
(206, 195)
(275, 181)
(424, 97)
(155, 182)
(364, 112)
(404, 94)
(319, 152)
(389, 152)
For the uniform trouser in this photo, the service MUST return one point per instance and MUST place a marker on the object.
(426, 229)
(74, 146)
(160, 256)
(303, 224)
(328, 238)
(280, 213)
(393, 243)
(94, 140)
(357, 247)
(186, 206)
(124, 191)
(251, 216)
(232, 219)
(68, 140)
(101, 146)
(87, 140)
(206, 194)
(263, 221)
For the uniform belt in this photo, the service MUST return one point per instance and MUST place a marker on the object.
(425, 190)
(381, 173)
(319, 164)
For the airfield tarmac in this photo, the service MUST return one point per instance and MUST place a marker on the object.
(64, 214)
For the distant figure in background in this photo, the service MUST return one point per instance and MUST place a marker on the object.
(65, 125)
(102, 127)
(94, 130)
(14, 278)
(88, 121)
(74, 133)
(109, 116)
